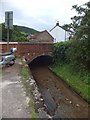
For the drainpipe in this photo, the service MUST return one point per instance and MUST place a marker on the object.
(65, 34)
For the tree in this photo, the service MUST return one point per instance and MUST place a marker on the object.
(79, 52)
(80, 25)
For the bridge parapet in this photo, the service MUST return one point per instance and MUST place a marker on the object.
(30, 50)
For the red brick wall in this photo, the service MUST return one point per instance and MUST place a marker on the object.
(28, 49)
(3, 46)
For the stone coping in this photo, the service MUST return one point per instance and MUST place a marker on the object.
(26, 43)
(9, 43)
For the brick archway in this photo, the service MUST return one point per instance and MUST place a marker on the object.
(41, 60)
(32, 51)
(42, 55)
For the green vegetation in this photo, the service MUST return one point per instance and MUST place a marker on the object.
(26, 29)
(25, 80)
(24, 73)
(18, 33)
(76, 82)
(72, 58)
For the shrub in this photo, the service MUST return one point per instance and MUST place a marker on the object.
(78, 54)
(60, 51)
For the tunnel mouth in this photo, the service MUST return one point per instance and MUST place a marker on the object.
(43, 60)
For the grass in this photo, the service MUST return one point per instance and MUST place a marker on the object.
(74, 80)
(24, 71)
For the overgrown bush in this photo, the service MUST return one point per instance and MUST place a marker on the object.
(75, 53)
(78, 54)
(60, 51)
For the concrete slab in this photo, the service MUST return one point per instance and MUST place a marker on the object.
(14, 103)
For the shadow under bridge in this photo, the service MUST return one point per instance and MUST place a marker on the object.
(41, 60)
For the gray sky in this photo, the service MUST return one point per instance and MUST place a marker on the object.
(39, 14)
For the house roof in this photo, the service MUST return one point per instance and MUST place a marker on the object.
(57, 25)
(39, 33)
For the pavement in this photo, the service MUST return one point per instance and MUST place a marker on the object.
(13, 100)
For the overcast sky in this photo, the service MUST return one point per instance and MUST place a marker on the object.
(39, 14)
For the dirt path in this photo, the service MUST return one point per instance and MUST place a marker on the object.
(14, 103)
(60, 100)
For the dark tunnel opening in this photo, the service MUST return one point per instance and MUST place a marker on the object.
(43, 60)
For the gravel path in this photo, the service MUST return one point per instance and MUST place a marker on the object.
(14, 103)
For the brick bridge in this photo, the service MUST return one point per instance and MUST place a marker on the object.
(29, 50)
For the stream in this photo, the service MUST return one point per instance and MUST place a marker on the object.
(61, 101)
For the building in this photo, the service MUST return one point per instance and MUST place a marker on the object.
(59, 33)
(43, 36)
